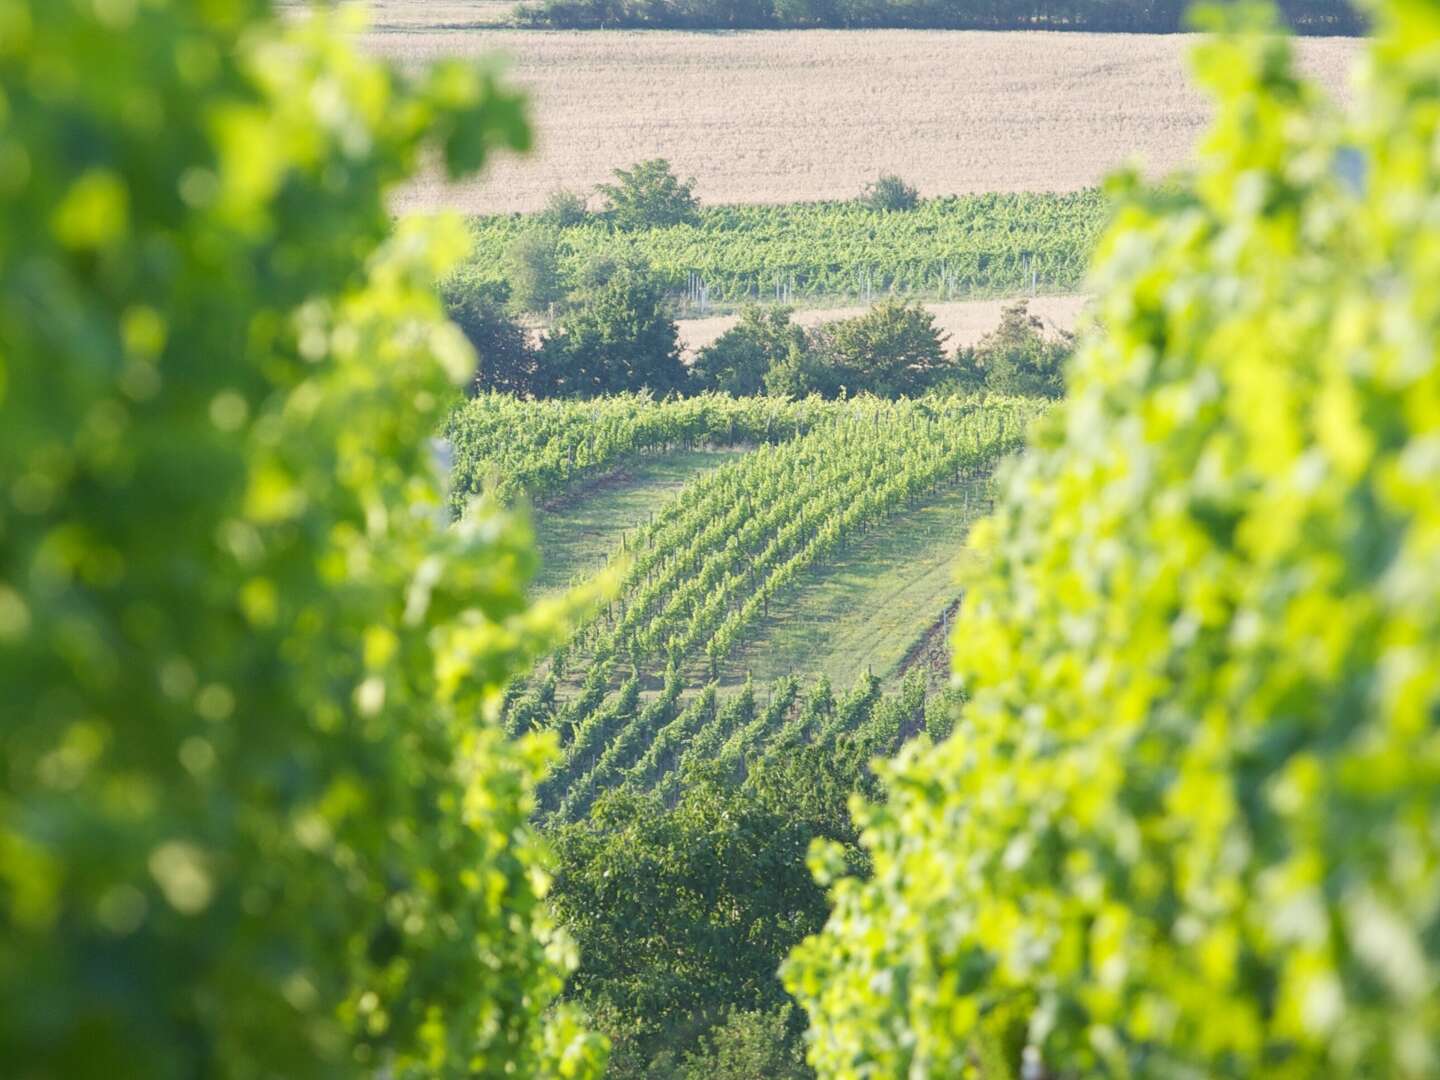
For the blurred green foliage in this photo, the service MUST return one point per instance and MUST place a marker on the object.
(1188, 819)
(747, 1046)
(682, 913)
(251, 820)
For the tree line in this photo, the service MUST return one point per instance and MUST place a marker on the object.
(615, 334)
(1119, 16)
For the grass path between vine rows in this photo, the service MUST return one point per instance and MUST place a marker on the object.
(865, 609)
(577, 535)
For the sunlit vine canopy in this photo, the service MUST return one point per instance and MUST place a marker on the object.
(1187, 823)
(252, 819)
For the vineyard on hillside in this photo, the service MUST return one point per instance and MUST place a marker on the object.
(751, 661)
(540, 449)
(946, 248)
(653, 747)
(634, 697)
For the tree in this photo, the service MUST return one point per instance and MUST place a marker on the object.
(505, 360)
(893, 350)
(648, 195)
(1185, 825)
(532, 268)
(617, 335)
(253, 821)
(674, 921)
(889, 194)
(802, 372)
(737, 362)
(1017, 357)
(749, 1045)
(564, 209)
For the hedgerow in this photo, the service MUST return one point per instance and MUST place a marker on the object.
(1124, 16)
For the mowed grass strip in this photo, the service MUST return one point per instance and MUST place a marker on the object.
(578, 534)
(866, 609)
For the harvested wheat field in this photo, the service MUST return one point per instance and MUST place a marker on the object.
(965, 322)
(780, 116)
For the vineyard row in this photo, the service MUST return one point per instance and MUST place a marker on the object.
(973, 245)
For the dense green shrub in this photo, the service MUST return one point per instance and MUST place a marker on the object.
(564, 209)
(892, 350)
(738, 361)
(615, 336)
(889, 194)
(1187, 820)
(505, 359)
(675, 920)
(749, 1045)
(1018, 357)
(532, 272)
(648, 195)
(801, 372)
(252, 821)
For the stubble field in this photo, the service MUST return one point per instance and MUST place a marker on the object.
(782, 116)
